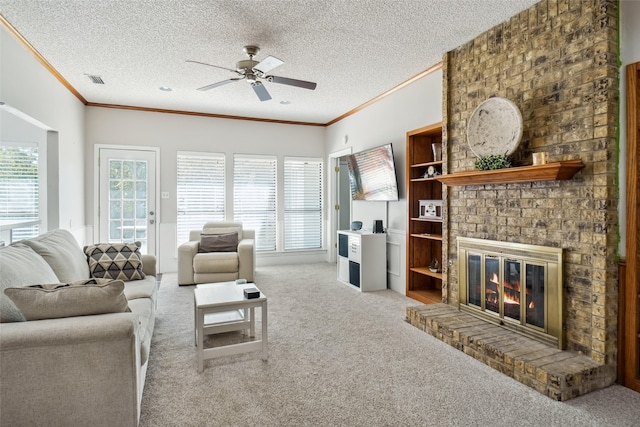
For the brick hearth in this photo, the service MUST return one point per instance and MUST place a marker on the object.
(560, 375)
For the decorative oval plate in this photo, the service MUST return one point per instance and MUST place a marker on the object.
(495, 127)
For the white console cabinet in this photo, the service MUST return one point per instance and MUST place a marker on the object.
(362, 260)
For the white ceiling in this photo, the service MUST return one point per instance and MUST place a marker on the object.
(355, 50)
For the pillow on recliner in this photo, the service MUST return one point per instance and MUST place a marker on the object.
(81, 298)
(218, 243)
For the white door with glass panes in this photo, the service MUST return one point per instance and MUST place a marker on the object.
(127, 203)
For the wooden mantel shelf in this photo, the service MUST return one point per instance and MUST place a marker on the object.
(563, 170)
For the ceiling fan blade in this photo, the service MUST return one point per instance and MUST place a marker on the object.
(261, 91)
(268, 64)
(292, 82)
(222, 83)
(211, 65)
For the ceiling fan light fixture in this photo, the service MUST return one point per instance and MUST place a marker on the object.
(245, 66)
(251, 77)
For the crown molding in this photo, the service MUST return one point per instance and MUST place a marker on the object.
(77, 94)
(418, 76)
(199, 114)
(40, 58)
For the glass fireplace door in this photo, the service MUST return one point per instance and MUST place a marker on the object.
(475, 279)
(535, 295)
(511, 296)
(494, 285)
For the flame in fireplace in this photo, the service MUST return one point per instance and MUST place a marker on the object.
(532, 305)
(515, 286)
(514, 298)
(512, 293)
(508, 300)
(495, 279)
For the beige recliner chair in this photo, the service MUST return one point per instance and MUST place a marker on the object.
(212, 255)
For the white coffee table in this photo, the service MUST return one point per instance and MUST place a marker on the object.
(222, 307)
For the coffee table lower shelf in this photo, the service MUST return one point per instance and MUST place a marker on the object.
(221, 307)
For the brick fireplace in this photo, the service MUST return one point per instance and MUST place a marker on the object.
(514, 285)
(557, 61)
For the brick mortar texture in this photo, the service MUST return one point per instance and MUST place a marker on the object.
(557, 61)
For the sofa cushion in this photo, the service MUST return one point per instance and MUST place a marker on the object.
(121, 261)
(20, 266)
(81, 298)
(227, 242)
(216, 262)
(62, 252)
(144, 288)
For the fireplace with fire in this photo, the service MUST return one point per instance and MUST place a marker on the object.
(515, 285)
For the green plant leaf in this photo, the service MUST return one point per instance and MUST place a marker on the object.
(492, 162)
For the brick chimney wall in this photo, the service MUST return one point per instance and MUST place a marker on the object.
(557, 61)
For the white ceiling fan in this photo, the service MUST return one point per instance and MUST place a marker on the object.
(254, 71)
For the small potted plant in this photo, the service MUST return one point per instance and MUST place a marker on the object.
(493, 162)
(434, 266)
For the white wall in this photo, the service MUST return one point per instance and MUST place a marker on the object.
(629, 54)
(29, 87)
(17, 129)
(177, 132)
(414, 106)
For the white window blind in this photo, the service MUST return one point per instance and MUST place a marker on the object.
(19, 187)
(302, 203)
(200, 192)
(254, 197)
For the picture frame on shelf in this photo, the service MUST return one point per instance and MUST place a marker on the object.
(430, 209)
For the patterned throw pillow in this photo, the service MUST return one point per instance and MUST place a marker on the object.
(81, 298)
(117, 261)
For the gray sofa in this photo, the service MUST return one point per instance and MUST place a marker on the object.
(77, 370)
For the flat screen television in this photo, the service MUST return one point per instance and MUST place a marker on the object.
(372, 174)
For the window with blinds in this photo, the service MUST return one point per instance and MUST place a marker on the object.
(254, 197)
(302, 203)
(19, 188)
(201, 191)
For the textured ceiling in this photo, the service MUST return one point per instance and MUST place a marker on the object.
(354, 50)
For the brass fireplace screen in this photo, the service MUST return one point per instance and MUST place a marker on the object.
(515, 285)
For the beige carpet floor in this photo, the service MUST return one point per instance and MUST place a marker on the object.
(338, 357)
